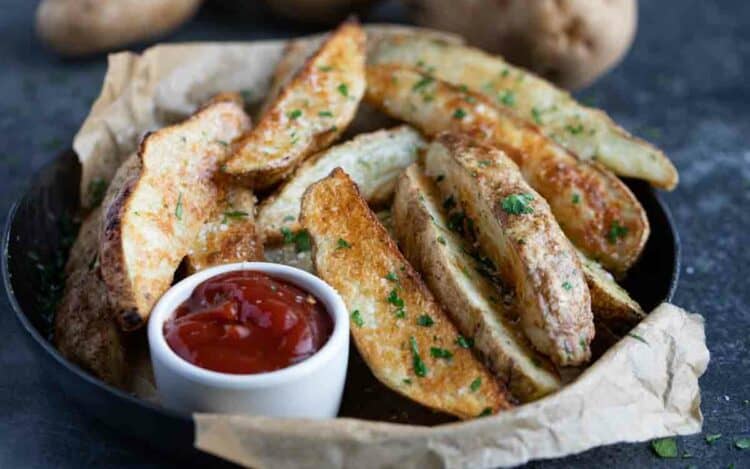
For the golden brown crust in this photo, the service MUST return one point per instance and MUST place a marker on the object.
(355, 254)
(527, 246)
(310, 112)
(151, 222)
(595, 209)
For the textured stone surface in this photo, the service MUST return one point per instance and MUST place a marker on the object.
(683, 85)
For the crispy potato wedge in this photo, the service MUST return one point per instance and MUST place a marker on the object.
(589, 133)
(516, 230)
(595, 209)
(354, 253)
(312, 110)
(612, 305)
(373, 161)
(459, 282)
(150, 225)
(230, 234)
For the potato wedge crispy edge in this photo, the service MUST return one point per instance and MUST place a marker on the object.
(386, 297)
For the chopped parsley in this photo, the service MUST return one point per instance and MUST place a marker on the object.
(422, 83)
(536, 114)
(301, 239)
(394, 299)
(742, 443)
(464, 342)
(234, 214)
(400, 313)
(325, 68)
(97, 189)
(485, 163)
(437, 352)
(576, 198)
(486, 412)
(441, 240)
(459, 114)
(476, 384)
(665, 447)
(294, 114)
(637, 337)
(223, 143)
(616, 231)
(406, 381)
(425, 320)
(342, 244)
(567, 285)
(575, 130)
(289, 218)
(357, 318)
(449, 203)
(518, 204)
(711, 439)
(420, 369)
(178, 207)
(507, 98)
(325, 114)
(391, 276)
(343, 89)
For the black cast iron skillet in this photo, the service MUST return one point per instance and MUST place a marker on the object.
(38, 232)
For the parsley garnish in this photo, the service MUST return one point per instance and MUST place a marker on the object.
(394, 299)
(742, 443)
(294, 114)
(425, 320)
(536, 114)
(406, 381)
(325, 114)
(422, 83)
(486, 412)
(301, 239)
(507, 98)
(459, 113)
(567, 285)
(517, 204)
(392, 276)
(637, 337)
(289, 218)
(234, 214)
(616, 231)
(343, 89)
(178, 207)
(665, 447)
(419, 367)
(342, 244)
(574, 129)
(357, 318)
(464, 342)
(325, 68)
(474, 386)
(437, 352)
(576, 198)
(441, 240)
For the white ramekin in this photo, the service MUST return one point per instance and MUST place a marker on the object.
(309, 389)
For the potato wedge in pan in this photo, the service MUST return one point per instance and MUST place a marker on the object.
(151, 223)
(399, 328)
(515, 228)
(589, 133)
(230, 234)
(312, 110)
(458, 280)
(594, 208)
(372, 160)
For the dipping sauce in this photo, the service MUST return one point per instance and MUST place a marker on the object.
(246, 322)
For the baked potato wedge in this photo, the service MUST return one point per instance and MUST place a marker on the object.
(230, 234)
(312, 110)
(595, 209)
(588, 133)
(399, 328)
(458, 279)
(515, 228)
(373, 161)
(152, 221)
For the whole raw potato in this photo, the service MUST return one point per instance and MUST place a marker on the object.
(318, 11)
(80, 27)
(570, 42)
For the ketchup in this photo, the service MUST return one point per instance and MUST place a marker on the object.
(248, 322)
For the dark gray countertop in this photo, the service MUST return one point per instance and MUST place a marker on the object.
(683, 85)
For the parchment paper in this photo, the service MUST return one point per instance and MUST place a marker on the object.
(636, 391)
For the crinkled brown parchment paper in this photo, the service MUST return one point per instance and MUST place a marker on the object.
(637, 391)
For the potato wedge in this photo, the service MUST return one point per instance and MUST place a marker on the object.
(459, 282)
(151, 223)
(589, 133)
(230, 234)
(594, 208)
(372, 160)
(516, 230)
(310, 112)
(354, 253)
(612, 305)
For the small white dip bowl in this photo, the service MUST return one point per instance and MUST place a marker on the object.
(309, 389)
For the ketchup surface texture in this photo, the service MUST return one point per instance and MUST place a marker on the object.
(248, 322)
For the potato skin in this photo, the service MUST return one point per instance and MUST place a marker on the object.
(570, 42)
(81, 27)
